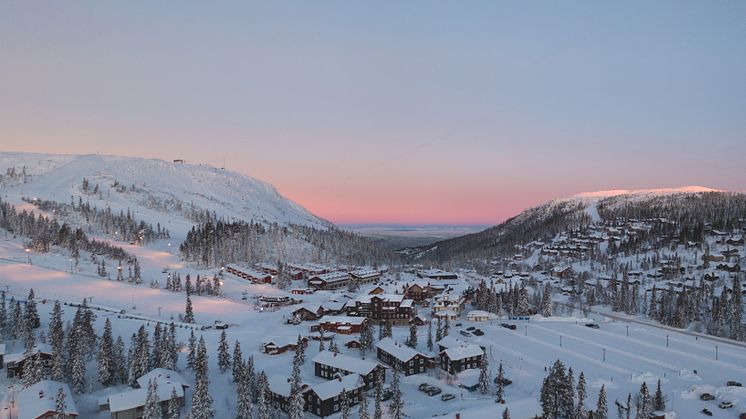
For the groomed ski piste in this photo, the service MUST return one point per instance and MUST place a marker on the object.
(619, 355)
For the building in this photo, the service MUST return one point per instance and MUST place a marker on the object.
(343, 325)
(330, 365)
(365, 276)
(459, 358)
(2, 356)
(437, 274)
(407, 360)
(325, 399)
(386, 308)
(279, 391)
(308, 312)
(478, 316)
(329, 281)
(40, 401)
(418, 292)
(15, 361)
(130, 404)
(282, 344)
(453, 301)
(257, 277)
(563, 272)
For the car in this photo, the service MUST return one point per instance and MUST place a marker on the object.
(423, 386)
(478, 332)
(592, 325)
(706, 397)
(725, 405)
(220, 325)
(433, 391)
(733, 384)
(386, 394)
(470, 328)
(506, 382)
(508, 326)
(706, 411)
(447, 396)
(464, 333)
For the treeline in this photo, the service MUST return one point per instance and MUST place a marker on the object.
(122, 226)
(216, 243)
(44, 232)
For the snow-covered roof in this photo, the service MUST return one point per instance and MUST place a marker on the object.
(332, 388)
(40, 398)
(434, 273)
(465, 351)
(279, 384)
(451, 342)
(344, 362)
(20, 356)
(478, 313)
(401, 352)
(385, 297)
(355, 321)
(333, 277)
(163, 377)
(131, 399)
(365, 273)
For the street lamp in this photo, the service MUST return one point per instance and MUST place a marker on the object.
(28, 256)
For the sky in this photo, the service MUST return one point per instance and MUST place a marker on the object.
(403, 112)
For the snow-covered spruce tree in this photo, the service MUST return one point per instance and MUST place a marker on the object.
(736, 327)
(244, 403)
(659, 401)
(188, 312)
(192, 350)
(3, 317)
(60, 404)
(77, 367)
(500, 393)
(174, 407)
(295, 408)
(263, 401)
(568, 405)
(546, 301)
(152, 409)
(506, 414)
(363, 407)
(446, 327)
(157, 346)
(300, 350)
(556, 393)
(33, 371)
(580, 408)
(344, 404)
(644, 401)
(321, 340)
(484, 376)
(141, 362)
(439, 331)
(602, 408)
(32, 314)
(377, 410)
(396, 406)
(201, 398)
(250, 377)
(430, 336)
(119, 362)
(412, 340)
(105, 356)
(388, 329)
(237, 363)
(29, 339)
(224, 358)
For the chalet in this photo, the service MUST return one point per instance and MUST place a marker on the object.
(712, 258)
(308, 312)
(335, 307)
(282, 344)
(365, 276)
(419, 320)
(563, 272)
(302, 291)
(269, 269)
(324, 399)
(279, 391)
(478, 316)
(452, 301)
(449, 315)
(730, 253)
(343, 325)
(418, 292)
(735, 241)
(131, 403)
(436, 274)
(449, 342)
(407, 360)
(330, 365)
(295, 274)
(256, 277)
(389, 308)
(459, 358)
(15, 362)
(377, 290)
(729, 267)
(39, 401)
(329, 281)
(353, 344)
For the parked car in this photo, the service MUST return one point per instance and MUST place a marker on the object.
(508, 326)
(447, 396)
(433, 391)
(707, 397)
(470, 328)
(725, 405)
(423, 386)
(592, 325)
(706, 411)
(386, 394)
(478, 332)
(464, 333)
(220, 325)
(458, 325)
(733, 384)
(506, 382)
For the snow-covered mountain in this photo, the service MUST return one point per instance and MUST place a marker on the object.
(544, 221)
(155, 190)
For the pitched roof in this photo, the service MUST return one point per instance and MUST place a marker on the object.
(401, 352)
(331, 388)
(347, 363)
(162, 377)
(343, 319)
(465, 351)
(41, 397)
(131, 399)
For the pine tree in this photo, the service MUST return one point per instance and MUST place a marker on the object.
(60, 404)
(201, 398)
(237, 363)
(189, 313)
(32, 314)
(300, 350)
(377, 410)
(602, 409)
(446, 327)
(363, 408)
(263, 402)
(546, 301)
(412, 341)
(105, 355)
(659, 401)
(152, 409)
(506, 414)
(77, 366)
(192, 347)
(119, 361)
(430, 336)
(224, 359)
(344, 404)
(396, 406)
(644, 401)
(174, 407)
(580, 409)
(250, 377)
(484, 377)
(500, 393)
(321, 340)
(244, 405)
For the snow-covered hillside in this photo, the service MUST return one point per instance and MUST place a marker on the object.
(156, 190)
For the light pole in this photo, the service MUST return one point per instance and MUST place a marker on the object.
(526, 332)
(627, 330)
(28, 256)
(716, 352)
(560, 341)
(666, 341)
(604, 356)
